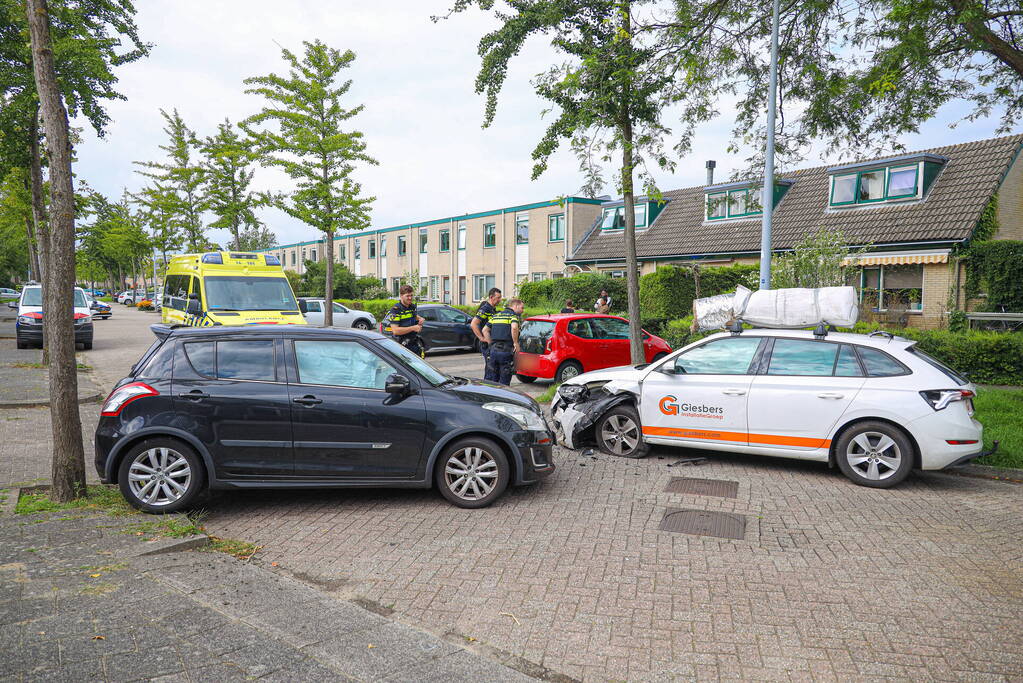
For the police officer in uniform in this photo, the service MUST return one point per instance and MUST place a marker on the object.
(406, 324)
(502, 333)
(487, 309)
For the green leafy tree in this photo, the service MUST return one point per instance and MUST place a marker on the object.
(608, 96)
(856, 75)
(255, 238)
(302, 130)
(819, 260)
(228, 162)
(314, 280)
(15, 211)
(157, 210)
(182, 180)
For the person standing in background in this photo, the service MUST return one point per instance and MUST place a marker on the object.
(569, 308)
(606, 299)
(486, 310)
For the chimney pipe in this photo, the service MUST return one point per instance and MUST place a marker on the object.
(710, 171)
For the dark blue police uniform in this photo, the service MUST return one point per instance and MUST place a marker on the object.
(501, 364)
(406, 316)
(484, 313)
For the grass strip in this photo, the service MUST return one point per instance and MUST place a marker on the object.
(1000, 410)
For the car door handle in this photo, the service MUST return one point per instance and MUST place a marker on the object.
(194, 395)
(734, 392)
(830, 394)
(307, 400)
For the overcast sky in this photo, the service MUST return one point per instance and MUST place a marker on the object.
(422, 119)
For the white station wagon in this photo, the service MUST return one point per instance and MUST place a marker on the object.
(874, 405)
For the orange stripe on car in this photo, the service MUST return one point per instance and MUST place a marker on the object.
(737, 437)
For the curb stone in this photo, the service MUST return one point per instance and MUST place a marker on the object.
(1006, 474)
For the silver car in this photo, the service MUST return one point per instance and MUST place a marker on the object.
(313, 310)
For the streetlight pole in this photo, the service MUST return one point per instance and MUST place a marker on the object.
(768, 196)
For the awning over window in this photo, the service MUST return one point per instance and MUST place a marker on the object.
(900, 258)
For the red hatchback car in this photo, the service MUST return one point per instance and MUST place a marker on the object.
(560, 347)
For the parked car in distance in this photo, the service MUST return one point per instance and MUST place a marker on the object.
(313, 310)
(28, 329)
(95, 293)
(561, 346)
(131, 297)
(100, 309)
(296, 406)
(445, 328)
(8, 294)
(874, 405)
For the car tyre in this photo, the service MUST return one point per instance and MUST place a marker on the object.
(619, 433)
(361, 324)
(467, 468)
(525, 379)
(874, 454)
(568, 370)
(163, 461)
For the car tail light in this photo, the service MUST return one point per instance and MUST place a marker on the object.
(122, 396)
(549, 346)
(960, 442)
(939, 399)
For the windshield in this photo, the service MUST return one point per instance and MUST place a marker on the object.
(225, 293)
(33, 296)
(414, 362)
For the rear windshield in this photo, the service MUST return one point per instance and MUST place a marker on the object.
(240, 293)
(952, 374)
(534, 335)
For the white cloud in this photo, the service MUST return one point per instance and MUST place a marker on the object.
(422, 120)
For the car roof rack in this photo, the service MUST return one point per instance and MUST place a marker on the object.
(881, 333)
(820, 332)
(735, 327)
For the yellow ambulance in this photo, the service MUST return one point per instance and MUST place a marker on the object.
(228, 288)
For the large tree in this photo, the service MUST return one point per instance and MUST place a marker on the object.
(303, 130)
(228, 161)
(855, 75)
(182, 178)
(609, 96)
(68, 469)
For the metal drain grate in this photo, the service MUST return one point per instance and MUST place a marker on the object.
(703, 487)
(704, 523)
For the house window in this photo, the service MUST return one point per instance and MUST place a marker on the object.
(875, 185)
(383, 250)
(293, 258)
(423, 283)
(446, 288)
(341, 252)
(401, 245)
(717, 205)
(555, 276)
(423, 239)
(556, 228)
(445, 240)
(489, 235)
(894, 287)
(433, 287)
(539, 276)
(522, 228)
(395, 285)
(614, 217)
(461, 237)
(312, 255)
(481, 284)
(358, 250)
(371, 247)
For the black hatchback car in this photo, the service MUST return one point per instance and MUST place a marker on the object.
(446, 328)
(305, 407)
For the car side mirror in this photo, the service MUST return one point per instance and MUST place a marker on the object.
(193, 307)
(398, 385)
(12, 304)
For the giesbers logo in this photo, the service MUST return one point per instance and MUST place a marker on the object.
(669, 405)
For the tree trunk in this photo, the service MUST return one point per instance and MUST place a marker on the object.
(58, 318)
(328, 253)
(632, 265)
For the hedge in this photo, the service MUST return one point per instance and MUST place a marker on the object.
(583, 289)
(985, 357)
(668, 292)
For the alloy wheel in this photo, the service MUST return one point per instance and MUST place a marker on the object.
(159, 476)
(471, 473)
(620, 434)
(874, 455)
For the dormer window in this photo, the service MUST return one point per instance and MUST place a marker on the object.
(614, 217)
(740, 200)
(906, 179)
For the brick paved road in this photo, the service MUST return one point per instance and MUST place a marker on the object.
(832, 581)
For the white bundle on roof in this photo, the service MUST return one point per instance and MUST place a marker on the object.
(779, 308)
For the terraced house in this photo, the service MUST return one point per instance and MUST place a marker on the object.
(906, 215)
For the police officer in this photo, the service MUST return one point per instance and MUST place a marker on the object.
(487, 309)
(406, 324)
(502, 333)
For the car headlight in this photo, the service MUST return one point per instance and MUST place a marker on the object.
(526, 418)
(571, 393)
(25, 320)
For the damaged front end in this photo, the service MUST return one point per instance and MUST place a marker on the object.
(578, 407)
